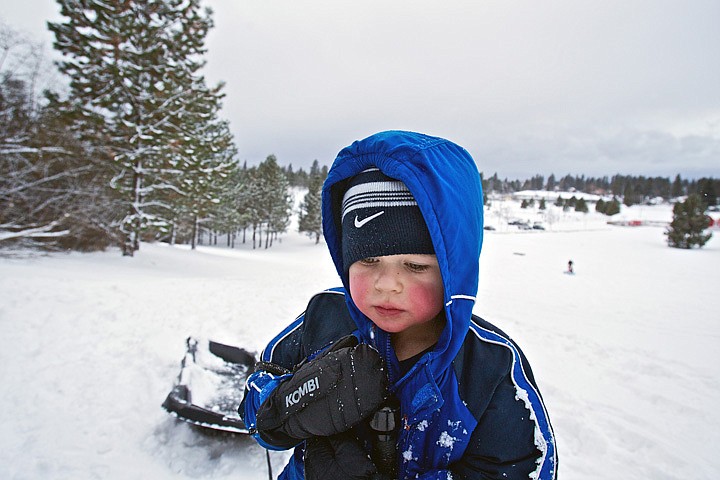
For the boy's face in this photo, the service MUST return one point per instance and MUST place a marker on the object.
(397, 292)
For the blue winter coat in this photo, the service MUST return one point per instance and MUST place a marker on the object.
(470, 407)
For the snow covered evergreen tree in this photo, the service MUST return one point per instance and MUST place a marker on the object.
(246, 195)
(203, 156)
(227, 217)
(688, 224)
(310, 220)
(135, 65)
(263, 202)
(274, 202)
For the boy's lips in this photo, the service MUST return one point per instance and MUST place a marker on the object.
(387, 310)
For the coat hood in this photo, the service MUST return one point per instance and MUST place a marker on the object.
(445, 182)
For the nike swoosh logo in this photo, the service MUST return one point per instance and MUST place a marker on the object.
(360, 223)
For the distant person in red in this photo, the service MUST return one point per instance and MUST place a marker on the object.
(570, 267)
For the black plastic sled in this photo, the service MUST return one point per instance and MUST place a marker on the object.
(211, 385)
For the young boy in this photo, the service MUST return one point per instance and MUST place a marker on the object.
(392, 376)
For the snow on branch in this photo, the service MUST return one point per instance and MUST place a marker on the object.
(43, 231)
(26, 186)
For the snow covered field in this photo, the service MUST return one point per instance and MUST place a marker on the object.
(625, 351)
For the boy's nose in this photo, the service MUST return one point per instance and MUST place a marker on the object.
(388, 280)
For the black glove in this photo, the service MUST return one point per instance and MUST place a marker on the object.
(327, 395)
(339, 457)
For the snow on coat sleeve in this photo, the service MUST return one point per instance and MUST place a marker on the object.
(438, 475)
(513, 437)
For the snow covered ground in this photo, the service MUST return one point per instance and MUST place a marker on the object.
(625, 351)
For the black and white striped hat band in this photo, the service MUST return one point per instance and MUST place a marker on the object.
(379, 217)
(391, 193)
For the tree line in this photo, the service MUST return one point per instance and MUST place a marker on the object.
(134, 148)
(633, 189)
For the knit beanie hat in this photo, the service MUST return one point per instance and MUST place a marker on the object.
(381, 217)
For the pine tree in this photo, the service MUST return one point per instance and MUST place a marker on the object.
(629, 196)
(677, 187)
(248, 201)
(204, 161)
(134, 65)
(228, 217)
(581, 206)
(612, 207)
(272, 204)
(688, 224)
(600, 206)
(550, 183)
(310, 220)
(707, 191)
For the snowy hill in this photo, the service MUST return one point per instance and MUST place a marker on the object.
(625, 351)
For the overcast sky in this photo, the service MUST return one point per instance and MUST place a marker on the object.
(526, 86)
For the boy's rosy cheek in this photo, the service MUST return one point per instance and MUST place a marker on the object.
(425, 298)
(358, 287)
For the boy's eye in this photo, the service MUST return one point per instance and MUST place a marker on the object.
(369, 261)
(416, 267)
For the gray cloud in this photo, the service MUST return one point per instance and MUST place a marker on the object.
(527, 87)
